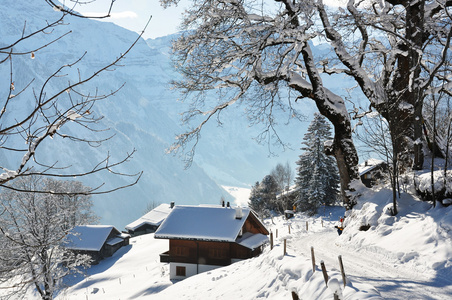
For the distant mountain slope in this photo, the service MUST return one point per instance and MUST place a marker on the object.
(229, 153)
(131, 115)
(144, 114)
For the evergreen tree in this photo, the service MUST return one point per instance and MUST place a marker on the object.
(263, 195)
(269, 189)
(317, 175)
(256, 202)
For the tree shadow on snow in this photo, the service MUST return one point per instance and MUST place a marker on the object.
(396, 287)
(154, 289)
(103, 265)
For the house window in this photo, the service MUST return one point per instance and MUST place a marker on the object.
(180, 271)
(368, 176)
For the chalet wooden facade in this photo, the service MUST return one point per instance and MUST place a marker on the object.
(97, 241)
(202, 238)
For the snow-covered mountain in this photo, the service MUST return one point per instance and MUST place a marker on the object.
(133, 118)
(143, 115)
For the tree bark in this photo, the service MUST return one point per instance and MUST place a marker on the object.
(333, 108)
(404, 111)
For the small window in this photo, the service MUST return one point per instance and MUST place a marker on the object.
(180, 271)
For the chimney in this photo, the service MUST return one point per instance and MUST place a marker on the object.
(228, 205)
(172, 204)
(238, 213)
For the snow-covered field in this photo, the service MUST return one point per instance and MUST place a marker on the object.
(402, 257)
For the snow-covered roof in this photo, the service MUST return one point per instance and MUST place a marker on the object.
(209, 223)
(288, 191)
(154, 217)
(252, 241)
(369, 165)
(88, 237)
(114, 241)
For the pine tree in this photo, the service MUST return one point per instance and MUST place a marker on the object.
(263, 195)
(269, 189)
(317, 175)
(256, 202)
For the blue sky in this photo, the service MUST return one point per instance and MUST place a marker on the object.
(133, 15)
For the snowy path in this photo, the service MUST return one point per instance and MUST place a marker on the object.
(393, 280)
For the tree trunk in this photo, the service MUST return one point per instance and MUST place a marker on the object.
(404, 110)
(346, 158)
(333, 108)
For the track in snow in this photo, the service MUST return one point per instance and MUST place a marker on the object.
(393, 280)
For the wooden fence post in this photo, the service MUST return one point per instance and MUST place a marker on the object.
(325, 275)
(322, 222)
(313, 259)
(276, 232)
(285, 247)
(271, 240)
(289, 228)
(306, 225)
(341, 265)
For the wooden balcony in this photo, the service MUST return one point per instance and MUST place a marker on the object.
(164, 257)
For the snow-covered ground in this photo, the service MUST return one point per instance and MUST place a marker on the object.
(402, 257)
(241, 195)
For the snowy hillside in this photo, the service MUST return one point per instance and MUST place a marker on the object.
(403, 257)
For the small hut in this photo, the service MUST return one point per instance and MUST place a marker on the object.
(371, 171)
(97, 241)
(150, 221)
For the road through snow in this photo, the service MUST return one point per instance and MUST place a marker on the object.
(391, 278)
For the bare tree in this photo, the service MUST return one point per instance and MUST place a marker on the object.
(437, 124)
(74, 197)
(373, 132)
(393, 49)
(39, 110)
(151, 205)
(251, 56)
(247, 50)
(283, 175)
(35, 210)
(33, 227)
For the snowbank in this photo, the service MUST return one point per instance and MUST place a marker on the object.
(419, 235)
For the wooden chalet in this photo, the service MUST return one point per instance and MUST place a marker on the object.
(202, 238)
(372, 171)
(150, 221)
(97, 241)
